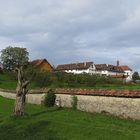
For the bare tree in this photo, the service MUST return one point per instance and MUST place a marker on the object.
(21, 92)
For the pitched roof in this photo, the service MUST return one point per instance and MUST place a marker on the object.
(83, 65)
(101, 66)
(114, 68)
(125, 67)
(38, 62)
(108, 67)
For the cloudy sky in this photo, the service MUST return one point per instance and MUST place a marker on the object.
(66, 31)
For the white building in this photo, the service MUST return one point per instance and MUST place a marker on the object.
(102, 69)
(128, 72)
(77, 68)
(107, 69)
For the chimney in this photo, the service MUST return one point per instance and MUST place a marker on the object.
(118, 63)
(85, 64)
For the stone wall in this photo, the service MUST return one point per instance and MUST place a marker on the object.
(122, 107)
(118, 106)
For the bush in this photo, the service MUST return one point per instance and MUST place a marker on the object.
(135, 76)
(49, 100)
(74, 102)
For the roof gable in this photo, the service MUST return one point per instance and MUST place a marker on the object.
(38, 62)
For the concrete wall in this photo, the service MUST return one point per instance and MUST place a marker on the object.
(8, 94)
(30, 98)
(122, 107)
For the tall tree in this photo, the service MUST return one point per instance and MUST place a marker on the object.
(21, 92)
(13, 57)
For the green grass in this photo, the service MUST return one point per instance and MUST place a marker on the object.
(6, 82)
(63, 124)
(101, 86)
(125, 86)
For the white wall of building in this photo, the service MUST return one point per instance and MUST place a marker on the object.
(91, 69)
(128, 72)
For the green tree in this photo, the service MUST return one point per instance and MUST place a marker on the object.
(135, 76)
(13, 57)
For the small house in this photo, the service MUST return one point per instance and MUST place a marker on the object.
(42, 64)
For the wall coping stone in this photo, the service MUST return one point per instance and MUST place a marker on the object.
(86, 92)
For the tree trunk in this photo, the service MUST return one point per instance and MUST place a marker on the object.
(21, 92)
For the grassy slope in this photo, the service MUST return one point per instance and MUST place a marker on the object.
(63, 124)
(6, 82)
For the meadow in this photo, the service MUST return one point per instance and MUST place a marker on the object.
(42, 123)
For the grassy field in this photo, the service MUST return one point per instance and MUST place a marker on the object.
(63, 124)
(7, 82)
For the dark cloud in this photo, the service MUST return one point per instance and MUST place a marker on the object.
(73, 30)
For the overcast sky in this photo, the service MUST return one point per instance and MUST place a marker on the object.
(66, 31)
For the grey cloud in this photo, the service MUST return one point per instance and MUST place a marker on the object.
(76, 30)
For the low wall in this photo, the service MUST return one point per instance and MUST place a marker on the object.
(99, 92)
(118, 106)
(30, 98)
(122, 107)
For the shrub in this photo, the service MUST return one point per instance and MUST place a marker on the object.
(49, 100)
(135, 76)
(74, 102)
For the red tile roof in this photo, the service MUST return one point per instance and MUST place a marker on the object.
(108, 67)
(99, 92)
(125, 67)
(84, 65)
(101, 66)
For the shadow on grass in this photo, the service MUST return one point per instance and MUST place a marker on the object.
(29, 130)
(46, 111)
(1, 121)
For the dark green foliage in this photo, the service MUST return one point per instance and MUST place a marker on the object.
(57, 79)
(13, 57)
(38, 79)
(74, 102)
(61, 79)
(135, 76)
(49, 99)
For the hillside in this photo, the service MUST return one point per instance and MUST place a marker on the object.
(63, 124)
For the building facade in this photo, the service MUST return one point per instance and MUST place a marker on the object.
(117, 71)
(42, 64)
